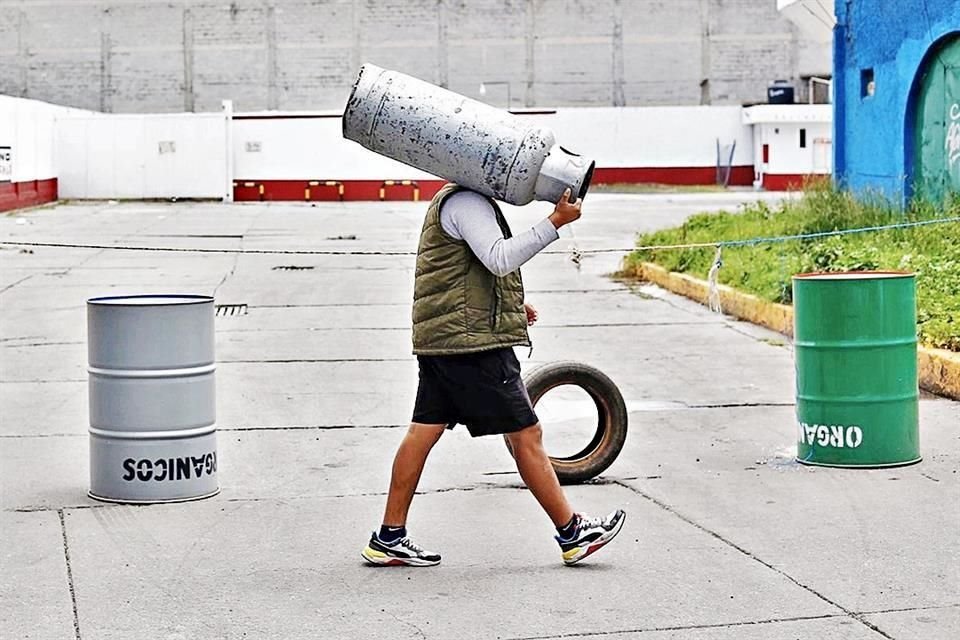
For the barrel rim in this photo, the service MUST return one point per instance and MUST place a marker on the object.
(845, 275)
(346, 119)
(189, 498)
(183, 299)
(858, 465)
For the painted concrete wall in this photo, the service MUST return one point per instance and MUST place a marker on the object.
(873, 134)
(26, 127)
(790, 157)
(667, 137)
(188, 55)
(788, 164)
(275, 156)
(29, 174)
(143, 156)
(184, 155)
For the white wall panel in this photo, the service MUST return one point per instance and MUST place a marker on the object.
(27, 126)
(143, 156)
(313, 148)
(184, 155)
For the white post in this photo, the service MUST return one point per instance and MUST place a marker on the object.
(228, 169)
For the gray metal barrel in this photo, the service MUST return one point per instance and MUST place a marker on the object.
(152, 398)
(461, 140)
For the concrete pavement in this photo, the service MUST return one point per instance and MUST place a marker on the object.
(726, 536)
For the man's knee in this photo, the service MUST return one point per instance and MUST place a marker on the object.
(531, 436)
(425, 434)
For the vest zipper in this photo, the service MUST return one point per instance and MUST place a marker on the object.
(495, 311)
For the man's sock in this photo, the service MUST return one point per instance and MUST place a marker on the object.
(389, 535)
(566, 531)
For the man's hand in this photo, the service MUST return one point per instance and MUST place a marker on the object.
(565, 211)
(532, 314)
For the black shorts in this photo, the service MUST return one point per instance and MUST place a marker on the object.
(480, 390)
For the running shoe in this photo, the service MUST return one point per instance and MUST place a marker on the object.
(403, 552)
(590, 535)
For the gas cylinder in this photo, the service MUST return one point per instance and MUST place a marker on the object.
(461, 140)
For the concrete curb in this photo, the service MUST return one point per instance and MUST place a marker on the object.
(938, 370)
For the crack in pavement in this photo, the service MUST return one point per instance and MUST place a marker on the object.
(313, 360)
(320, 427)
(725, 625)
(51, 381)
(329, 305)
(409, 624)
(574, 325)
(538, 291)
(84, 261)
(731, 324)
(478, 486)
(906, 609)
(663, 505)
(70, 585)
(14, 338)
(229, 274)
(58, 509)
(673, 300)
(236, 257)
(343, 427)
(39, 344)
(11, 286)
(736, 405)
(717, 625)
(339, 427)
(8, 436)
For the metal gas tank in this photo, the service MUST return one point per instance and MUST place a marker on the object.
(461, 140)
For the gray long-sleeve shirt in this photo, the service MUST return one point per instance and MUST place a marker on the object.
(469, 216)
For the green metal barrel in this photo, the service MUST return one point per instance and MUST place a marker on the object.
(856, 355)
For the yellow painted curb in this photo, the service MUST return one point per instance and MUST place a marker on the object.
(938, 369)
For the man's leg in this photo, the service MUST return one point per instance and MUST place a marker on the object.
(579, 536)
(392, 546)
(407, 467)
(534, 466)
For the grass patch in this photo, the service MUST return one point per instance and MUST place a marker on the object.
(932, 252)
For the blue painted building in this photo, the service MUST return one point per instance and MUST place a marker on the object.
(897, 96)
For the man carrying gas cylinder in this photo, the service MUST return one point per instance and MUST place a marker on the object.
(469, 310)
(468, 314)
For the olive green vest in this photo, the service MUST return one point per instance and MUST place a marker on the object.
(459, 306)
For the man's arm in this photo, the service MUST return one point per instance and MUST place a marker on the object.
(470, 217)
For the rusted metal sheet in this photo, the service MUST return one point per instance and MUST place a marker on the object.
(473, 144)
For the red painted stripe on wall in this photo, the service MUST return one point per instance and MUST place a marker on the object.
(17, 195)
(302, 190)
(790, 181)
(297, 190)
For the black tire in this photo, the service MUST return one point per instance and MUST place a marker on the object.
(611, 432)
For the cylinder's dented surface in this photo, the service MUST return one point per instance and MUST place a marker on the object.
(152, 398)
(473, 144)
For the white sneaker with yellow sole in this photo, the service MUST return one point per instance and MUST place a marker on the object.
(590, 535)
(403, 552)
